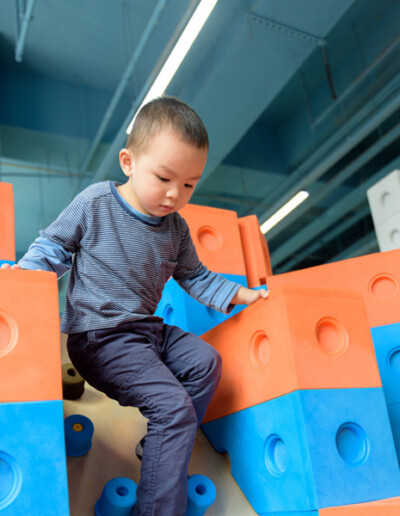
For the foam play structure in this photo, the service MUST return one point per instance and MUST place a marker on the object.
(308, 407)
(305, 411)
(32, 446)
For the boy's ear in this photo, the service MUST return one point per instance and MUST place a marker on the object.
(126, 161)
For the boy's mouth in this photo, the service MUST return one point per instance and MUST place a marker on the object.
(168, 208)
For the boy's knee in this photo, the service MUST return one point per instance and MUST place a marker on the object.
(185, 412)
(214, 361)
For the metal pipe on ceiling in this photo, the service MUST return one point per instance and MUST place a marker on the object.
(354, 166)
(27, 17)
(366, 245)
(330, 216)
(372, 114)
(330, 234)
(112, 152)
(357, 81)
(126, 76)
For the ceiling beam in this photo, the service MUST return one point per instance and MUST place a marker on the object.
(330, 216)
(368, 118)
(352, 168)
(27, 17)
(125, 79)
(365, 245)
(328, 236)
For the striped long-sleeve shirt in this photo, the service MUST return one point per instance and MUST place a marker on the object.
(120, 261)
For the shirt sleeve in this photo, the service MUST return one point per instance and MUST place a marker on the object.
(70, 226)
(207, 287)
(54, 249)
(211, 289)
(47, 255)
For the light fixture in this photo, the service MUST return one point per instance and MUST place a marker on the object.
(284, 211)
(178, 53)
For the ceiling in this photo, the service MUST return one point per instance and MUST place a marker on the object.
(295, 94)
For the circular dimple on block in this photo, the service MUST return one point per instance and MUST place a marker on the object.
(384, 287)
(122, 491)
(8, 334)
(394, 359)
(260, 349)
(331, 336)
(395, 237)
(275, 455)
(10, 480)
(352, 444)
(209, 238)
(385, 198)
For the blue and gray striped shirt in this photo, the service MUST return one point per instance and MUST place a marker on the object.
(120, 261)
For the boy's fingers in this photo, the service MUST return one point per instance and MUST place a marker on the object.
(264, 293)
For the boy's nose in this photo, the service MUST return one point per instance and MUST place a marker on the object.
(173, 193)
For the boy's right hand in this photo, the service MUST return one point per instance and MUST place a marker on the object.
(15, 266)
(8, 266)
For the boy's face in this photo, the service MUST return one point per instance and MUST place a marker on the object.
(162, 177)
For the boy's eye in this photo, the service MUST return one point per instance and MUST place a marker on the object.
(188, 186)
(163, 179)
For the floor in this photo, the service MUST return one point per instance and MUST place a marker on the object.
(117, 430)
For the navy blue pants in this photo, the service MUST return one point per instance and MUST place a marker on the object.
(171, 376)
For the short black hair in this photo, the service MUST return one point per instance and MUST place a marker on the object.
(166, 112)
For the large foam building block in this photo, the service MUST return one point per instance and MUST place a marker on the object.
(30, 350)
(33, 473)
(299, 338)
(255, 251)
(388, 232)
(388, 507)
(215, 234)
(7, 222)
(386, 341)
(290, 513)
(384, 197)
(376, 276)
(176, 307)
(394, 417)
(311, 449)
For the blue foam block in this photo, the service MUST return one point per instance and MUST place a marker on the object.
(78, 431)
(394, 416)
(201, 495)
(311, 449)
(176, 307)
(118, 498)
(33, 473)
(386, 341)
(291, 513)
(6, 261)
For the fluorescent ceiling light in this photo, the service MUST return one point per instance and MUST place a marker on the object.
(178, 53)
(284, 211)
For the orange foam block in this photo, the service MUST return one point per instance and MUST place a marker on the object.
(215, 234)
(388, 507)
(7, 223)
(30, 351)
(376, 276)
(299, 338)
(255, 251)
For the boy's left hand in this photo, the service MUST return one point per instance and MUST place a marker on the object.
(247, 296)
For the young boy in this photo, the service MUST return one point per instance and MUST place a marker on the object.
(122, 243)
